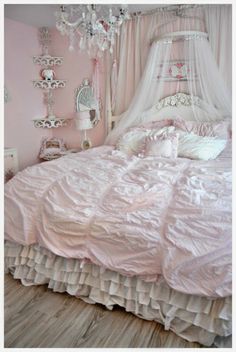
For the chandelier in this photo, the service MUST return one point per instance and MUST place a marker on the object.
(95, 25)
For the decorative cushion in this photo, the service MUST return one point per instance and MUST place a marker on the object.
(161, 144)
(133, 141)
(197, 147)
(219, 129)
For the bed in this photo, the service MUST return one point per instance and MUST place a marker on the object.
(152, 235)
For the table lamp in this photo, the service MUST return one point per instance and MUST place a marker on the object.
(83, 123)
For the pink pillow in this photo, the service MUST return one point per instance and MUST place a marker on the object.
(163, 145)
(211, 129)
(157, 124)
(151, 125)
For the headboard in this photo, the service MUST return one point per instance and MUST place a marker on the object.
(176, 100)
(166, 104)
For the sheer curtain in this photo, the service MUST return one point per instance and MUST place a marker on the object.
(208, 83)
(146, 91)
(202, 79)
(125, 67)
(219, 27)
(130, 54)
(133, 44)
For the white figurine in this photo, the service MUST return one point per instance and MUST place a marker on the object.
(48, 74)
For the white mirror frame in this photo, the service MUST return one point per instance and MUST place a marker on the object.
(85, 101)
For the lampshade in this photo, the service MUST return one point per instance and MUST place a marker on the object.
(83, 121)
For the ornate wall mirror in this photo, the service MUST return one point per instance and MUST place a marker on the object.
(85, 101)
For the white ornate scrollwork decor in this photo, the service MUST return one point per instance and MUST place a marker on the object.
(177, 100)
(47, 60)
(44, 39)
(42, 83)
(50, 123)
(48, 83)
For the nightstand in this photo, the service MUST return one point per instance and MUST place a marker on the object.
(10, 163)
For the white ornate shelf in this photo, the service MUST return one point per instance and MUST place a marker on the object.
(47, 82)
(51, 122)
(53, 84)
(48, 60)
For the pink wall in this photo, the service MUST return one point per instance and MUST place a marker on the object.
(21, 44)
(76, 66)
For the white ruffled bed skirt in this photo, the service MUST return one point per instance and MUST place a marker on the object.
(205, 320)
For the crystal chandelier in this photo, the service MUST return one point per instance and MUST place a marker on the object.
(96, 25)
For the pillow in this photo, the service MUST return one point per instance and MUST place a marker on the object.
(133, 141)
(162, 145)
(157, 124)
(197, 147)
(219, 129)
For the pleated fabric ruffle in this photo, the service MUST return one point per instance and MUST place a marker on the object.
(194, 318)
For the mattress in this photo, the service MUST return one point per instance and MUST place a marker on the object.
(194, 318)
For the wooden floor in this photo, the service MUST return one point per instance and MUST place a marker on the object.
(37, 317)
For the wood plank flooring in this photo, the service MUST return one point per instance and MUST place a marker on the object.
(37, 317)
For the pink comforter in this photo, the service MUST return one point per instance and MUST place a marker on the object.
(145, 217)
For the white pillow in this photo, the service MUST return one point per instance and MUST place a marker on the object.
(133, 141)
(162, 145)
(197, 147)
(220, 129)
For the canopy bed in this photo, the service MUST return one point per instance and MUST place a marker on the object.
(121, 224)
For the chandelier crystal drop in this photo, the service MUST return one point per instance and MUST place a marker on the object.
(95, 25)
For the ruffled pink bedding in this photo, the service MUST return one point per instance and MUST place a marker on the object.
(146, 217)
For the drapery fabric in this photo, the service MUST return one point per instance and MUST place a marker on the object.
(130, 53)
(179, 62)
(133, 45)
(96, 85)
(114, 77)
(218, 20)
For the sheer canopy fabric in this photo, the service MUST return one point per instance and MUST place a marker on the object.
(133, 45)
(218, 19)
(187, 49)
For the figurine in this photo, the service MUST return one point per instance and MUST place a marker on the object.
(48, 74)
